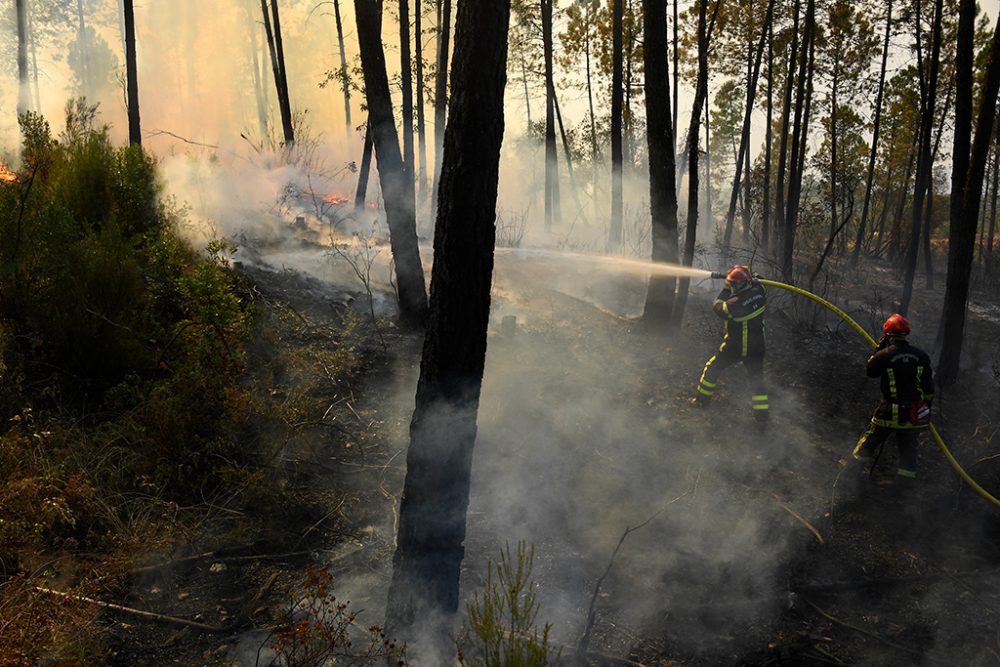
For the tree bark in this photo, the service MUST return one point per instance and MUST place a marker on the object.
(423, 595)
(765, 218)
(870, 175)
(279, 50)
(617, 95)
(399, 204)
(962, 245)
(406, 81)
(132, 77)
(662, 170)
(677, 89)
(988, 260)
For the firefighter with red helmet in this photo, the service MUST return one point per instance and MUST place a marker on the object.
(741, 304)
(907, 391)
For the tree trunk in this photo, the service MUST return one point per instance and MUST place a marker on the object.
(870, 175)
(279, 49)
(923, 177)
(677, 90)
(800, 135)
(988, 260)
(552, 212)
(694, 131)
(399, 204)
(423, 595)
(366, 165)
(440, 93)
(897, 220)
(23, 103)
(753, 75)
(786, 123)
(406, 82)
(132, 77)
(418, 44)
(617, 95)
(573, 190)
(662, 170)
(345, 81)
(765, 218)
(256, 76)
(962, 246)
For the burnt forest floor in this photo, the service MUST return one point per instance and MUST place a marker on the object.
(744, 545)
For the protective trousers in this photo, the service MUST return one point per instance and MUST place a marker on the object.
(755, 373)
(906, 440)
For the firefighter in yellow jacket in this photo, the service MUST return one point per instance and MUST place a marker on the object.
(907, 391)
(741, 304)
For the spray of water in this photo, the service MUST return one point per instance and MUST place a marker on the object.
(611, 263)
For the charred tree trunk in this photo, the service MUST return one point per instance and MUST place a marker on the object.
(399, 204)
(552, 212)
(677, 89)
(418, 46)
(406, 81)
(870, 175)
(132, 77)
(753, 75)
(786, 123)
(923, 177)
(701, 91)
(617, 97)
(441, 93)
(273, 32)
(22, 57)
(423, 595)
(765, 218)
(897, 220)
(988, 256)
(962, 243)
(366, 166)
(662, 170)
(345, 81)
(800, 135)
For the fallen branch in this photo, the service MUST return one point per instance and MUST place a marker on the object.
(867, 633)
(800, 518)
(153, 616)
(215, 555)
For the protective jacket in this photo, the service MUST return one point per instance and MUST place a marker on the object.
(744, 316)
(906, 377)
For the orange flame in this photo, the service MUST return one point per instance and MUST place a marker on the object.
(6, 175)
(336, 199)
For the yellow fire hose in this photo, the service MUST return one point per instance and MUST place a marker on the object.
(871, 341)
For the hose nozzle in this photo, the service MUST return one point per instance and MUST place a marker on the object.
(718, 275)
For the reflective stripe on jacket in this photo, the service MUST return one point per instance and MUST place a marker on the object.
(905, 376)
(744, 316)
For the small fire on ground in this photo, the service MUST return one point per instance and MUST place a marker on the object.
(336, 199)
(6, 175)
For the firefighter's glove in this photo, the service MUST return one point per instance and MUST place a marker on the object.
(884, 342)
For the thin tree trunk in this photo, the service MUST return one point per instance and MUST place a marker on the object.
(441, 92)
(897, 221)
(279, 49)
(23, 103)
(960, 250)
(677, 94)
(277, 68)
(406, 80)
(33, 42)
(753, 75)
(132, 77)
(701, 91)
(552, 209)
(923, 178)
(423, 595)
(590, 92)
(399, 204)
(765, 221)
(258, 83)
(870, 175)
(786, 123)
(662, 170)
(800, 133)
(418, 44)
(617, 95)
(345, 81)
(574, 191)
(366, 165)
(527, 97)
(988, 261)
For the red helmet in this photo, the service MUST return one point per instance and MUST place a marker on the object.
(738, 278)
(896, 325)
